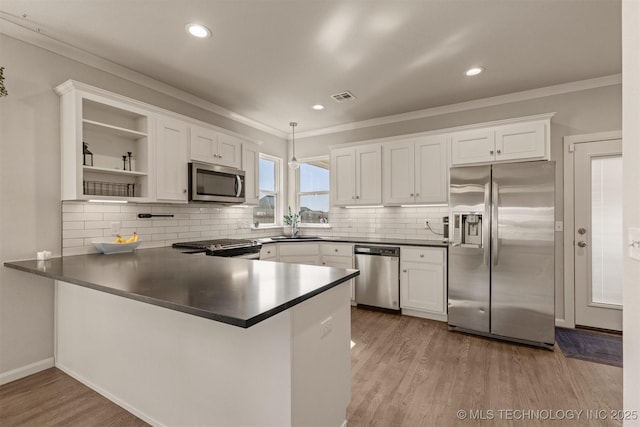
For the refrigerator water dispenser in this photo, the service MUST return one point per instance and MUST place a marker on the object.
(467, 229)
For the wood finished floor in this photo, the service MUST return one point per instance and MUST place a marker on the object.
(405, 372)
(414, 372)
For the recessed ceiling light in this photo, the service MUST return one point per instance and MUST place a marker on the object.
(198, 30)
(474, 71)
(318, 107)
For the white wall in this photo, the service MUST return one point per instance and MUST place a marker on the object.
(585, 111)
(631, 213)
(30, 207)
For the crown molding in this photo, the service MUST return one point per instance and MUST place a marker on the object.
(470, 105)
(13, 27)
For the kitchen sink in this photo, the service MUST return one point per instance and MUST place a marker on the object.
(281, 238)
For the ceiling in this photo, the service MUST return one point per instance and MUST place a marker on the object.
(271, 60)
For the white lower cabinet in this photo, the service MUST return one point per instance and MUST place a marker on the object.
(339, 255)
(299, 253)
(269, 252)
(423, 282)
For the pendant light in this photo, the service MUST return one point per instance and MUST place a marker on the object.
(293, 163)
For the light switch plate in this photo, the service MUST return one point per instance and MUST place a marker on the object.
(633, 243)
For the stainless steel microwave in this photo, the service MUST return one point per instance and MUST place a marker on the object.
(213, 183)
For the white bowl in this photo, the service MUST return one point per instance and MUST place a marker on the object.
(108, 247)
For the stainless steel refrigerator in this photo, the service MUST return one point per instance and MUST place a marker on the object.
(501, 251)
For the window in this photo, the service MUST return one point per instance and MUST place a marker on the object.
(266, 213)
(313, 190)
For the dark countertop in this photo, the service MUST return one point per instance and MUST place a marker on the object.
(235, 291)
(360, 240)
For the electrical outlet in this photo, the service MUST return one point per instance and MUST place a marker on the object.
(115, 227)
(326, 326)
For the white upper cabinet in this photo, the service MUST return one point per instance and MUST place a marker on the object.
(356, 175)
(250, 165)
(415, 171)
(208, 145)
(508, 142)
(171, 159)
(521, 141)
(116, 133)
(473, 146)
(117, 148)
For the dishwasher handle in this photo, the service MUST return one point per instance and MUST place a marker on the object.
(390, 251)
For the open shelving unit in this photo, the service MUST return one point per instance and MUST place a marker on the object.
(112, 126)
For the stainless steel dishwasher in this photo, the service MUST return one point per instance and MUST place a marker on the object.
(378, 284)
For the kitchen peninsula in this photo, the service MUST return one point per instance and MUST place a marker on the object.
(181, 339)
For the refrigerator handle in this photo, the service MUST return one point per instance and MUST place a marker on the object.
(485, 224)
(495, 239)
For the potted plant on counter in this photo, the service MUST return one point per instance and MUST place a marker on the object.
(292, 220)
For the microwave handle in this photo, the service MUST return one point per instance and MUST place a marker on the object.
(238, 186)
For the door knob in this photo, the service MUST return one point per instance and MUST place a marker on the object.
(581, 230)
(582, 244)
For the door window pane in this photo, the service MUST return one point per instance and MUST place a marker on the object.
(606, 230)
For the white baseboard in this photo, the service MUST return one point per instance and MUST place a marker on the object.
(424, 314)
(143, 416)
(564, 323)
(25, 371)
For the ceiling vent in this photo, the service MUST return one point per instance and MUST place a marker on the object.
(343, 96)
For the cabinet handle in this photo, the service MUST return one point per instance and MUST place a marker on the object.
(268, 252)
(411, 194)
(357, 197)
(335, 250)
(324, 263)
(499, 151)
(417, 194)
(353, 197)
(491, 152)
(219, 156)
(421, 255)
(404, 270)
(184, 190)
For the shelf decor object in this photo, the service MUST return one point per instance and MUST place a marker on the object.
(87, 156)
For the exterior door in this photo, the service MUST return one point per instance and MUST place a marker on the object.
(598, 240)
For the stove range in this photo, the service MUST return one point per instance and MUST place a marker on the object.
(237, 248)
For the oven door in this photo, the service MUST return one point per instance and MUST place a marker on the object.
(213, 183)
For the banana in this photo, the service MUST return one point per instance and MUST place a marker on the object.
(119, 239)
(133, 238)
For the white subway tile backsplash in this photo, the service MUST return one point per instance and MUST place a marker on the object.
(83, 222)
(78, 216)
(72, 207)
